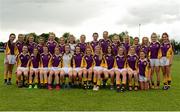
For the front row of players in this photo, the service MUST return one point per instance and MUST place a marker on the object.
(83, 70)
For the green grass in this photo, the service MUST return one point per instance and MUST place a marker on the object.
(13, 98)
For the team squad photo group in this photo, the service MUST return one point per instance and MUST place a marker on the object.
(101, 63)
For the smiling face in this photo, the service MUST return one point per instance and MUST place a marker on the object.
(35, 51)
(97, 50)
(109, 50)
(31, 39)
(25, 49)
(132, 50)
(136, 41)
(20, 37)
(56, 51)
(78, 50)
(88, 51)
(41, 41)
(153, 37)
(12, 37)
(95, 36)
(62, 41)
(105, 35)
(51, 37)
(67, 49)
(142, 55)
(121, 51)
(165, 38)
(145, 41)
(82, 38)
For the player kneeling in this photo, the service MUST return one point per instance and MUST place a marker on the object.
(132, 60)
(143, 70)
(45, 66)
(108, 67)
(23, 60)
(34, 68)
(55, 68)
(120, 70)
(77, 66)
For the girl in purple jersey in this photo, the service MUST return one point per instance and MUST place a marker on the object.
(95, 41)
(55, 63)
(10, 59)
(120, 69)
(136, 45)
(87, 67)
(82, 43)
(23, 60)
(132, 60)
(155, 54)
(45, 66)
(41, 44)
(166, 60)
(98, 67)
(51, 43)
(143, 70)
(109, 66)
(62, 45)
(20, 43)
(34, 68)
(115, 44)
(145, 46)
(31, 43)
(77, 66)
(126, 43)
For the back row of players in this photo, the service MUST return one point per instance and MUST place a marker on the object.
(89, 64)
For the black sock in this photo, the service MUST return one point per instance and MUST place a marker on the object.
(169, 82)
(158, 83)
(9, 79)
(152, 83)
(5, 80)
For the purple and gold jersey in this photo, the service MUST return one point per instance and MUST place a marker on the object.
(45, 59)
(62, 49)
(10, 49)
(82, 47)
(23, 60)
(19, 46)
(109, 61)
(51, 45)
(31, 47)
(94, 44)
(104, 45)
(166, 49)
(154, 50)
(97, 60)
(56, 61)
(40, 48)
(132, 61)
(145, 49)
(143, 66)
(115, 48)
(77, 60)
(120, 62)
(88, 61)
(137, 48)
(126, 46)
(35, 61)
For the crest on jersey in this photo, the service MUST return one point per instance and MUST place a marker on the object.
(145, 63)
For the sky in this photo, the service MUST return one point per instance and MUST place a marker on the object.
(88, 16)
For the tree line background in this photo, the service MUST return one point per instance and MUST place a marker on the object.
(176, 44)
